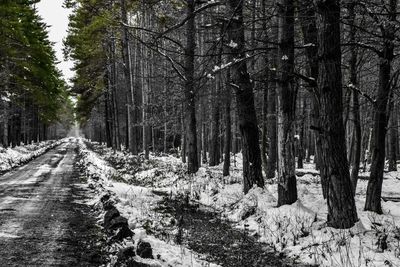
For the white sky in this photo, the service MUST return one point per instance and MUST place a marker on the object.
(56, 17)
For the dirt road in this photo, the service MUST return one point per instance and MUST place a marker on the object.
(43, 221)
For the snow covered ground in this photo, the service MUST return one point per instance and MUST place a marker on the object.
(298, 230)
(19, 155)
(135, 203)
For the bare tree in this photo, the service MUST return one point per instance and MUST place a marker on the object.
(240, 82)
(341, 206)
(287, 190)
(190, 104)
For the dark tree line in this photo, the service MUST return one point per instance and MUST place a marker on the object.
(33, 97)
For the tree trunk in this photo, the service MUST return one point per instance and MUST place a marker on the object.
(191, 131)
(341, 205)
(397, 130)
(374, 189)
(114, 83)
(271, 113)
(240, 81)
(109, 98)
(145, 86)
(5, 123)
(272, 127)
(287, 189)
(235, 139)
(165, 89)
(216, 143)
(228, 131)
(356, 158)
(204, 142)
(107, 117)
(301, 143)
(183, 137)
(264, 140)
(6, 107)
(356, 136)
(393, 134)
(215, 111)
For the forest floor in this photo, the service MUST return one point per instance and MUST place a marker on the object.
(217, 240)
(205, 220)
(44, 220)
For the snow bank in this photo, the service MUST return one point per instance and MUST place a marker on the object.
(14, 157)
(136, 203)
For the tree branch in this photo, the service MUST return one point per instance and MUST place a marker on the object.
(180, 24)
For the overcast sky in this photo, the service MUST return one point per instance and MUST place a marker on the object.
(56, 16)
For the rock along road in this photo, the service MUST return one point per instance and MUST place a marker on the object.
(43, 218)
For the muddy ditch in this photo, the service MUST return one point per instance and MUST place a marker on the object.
(206, 233)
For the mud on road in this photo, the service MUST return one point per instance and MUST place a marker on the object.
(43, 218)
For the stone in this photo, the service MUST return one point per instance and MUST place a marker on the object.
(109, 216)
(126, 253)
(109, 204)
(118, 222)
(122, 233)
(104, 198)
(144, 250)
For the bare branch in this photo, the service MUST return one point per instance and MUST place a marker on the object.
(180, 24)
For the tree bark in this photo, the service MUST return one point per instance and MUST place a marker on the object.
(191, 131)
(228, 132)
(271, 112)
(264, 139)
(5, 124)
(165, 91)
(204, 142)
(272, 126)
(215, 112)
(109, 98)
(114, 79)
(356, 142)
(287, 188)
(146, 57)
(374, 189)
(393, 134)
(107, 116)
(183, 138)
(341, 205)
(240, 81)
(301, 143)
(6, 107)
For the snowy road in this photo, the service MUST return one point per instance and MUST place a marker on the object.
(42, 219)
